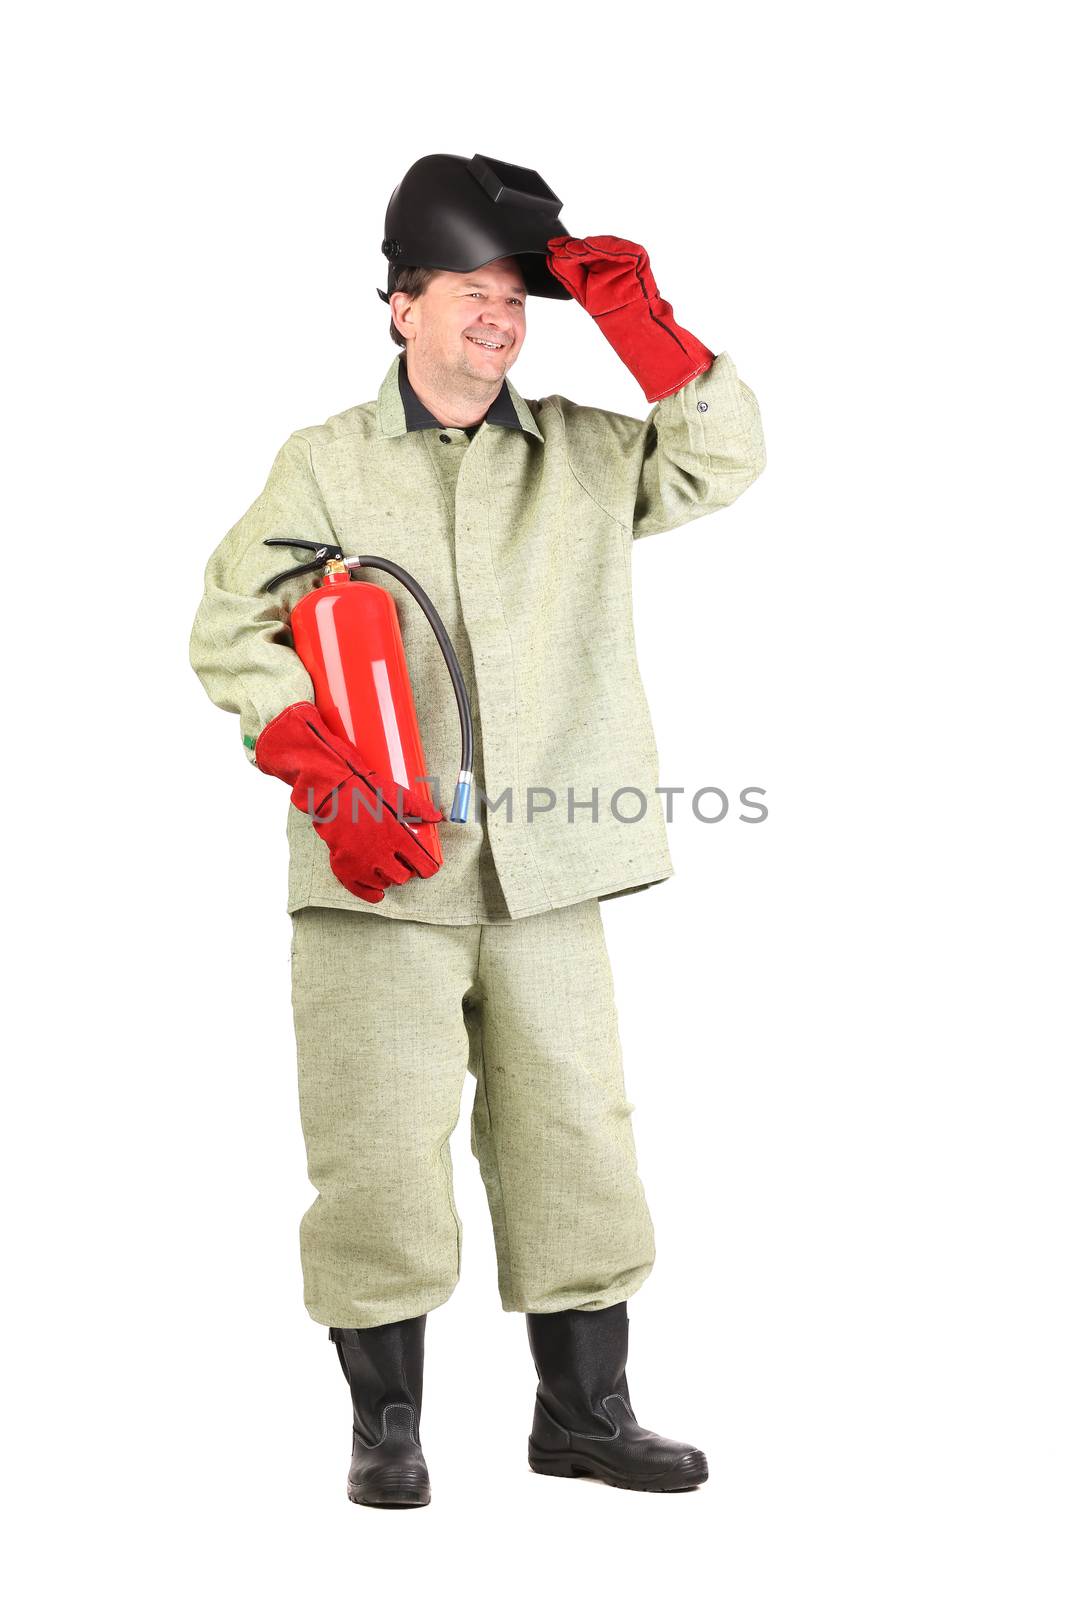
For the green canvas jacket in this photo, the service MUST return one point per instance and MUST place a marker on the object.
(522, 537)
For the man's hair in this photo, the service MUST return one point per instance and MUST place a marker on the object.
(413, 281)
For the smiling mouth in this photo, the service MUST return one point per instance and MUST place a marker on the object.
(484, 344)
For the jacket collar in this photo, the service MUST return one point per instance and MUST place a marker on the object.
(509, 412)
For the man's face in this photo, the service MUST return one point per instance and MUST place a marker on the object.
(467, 325)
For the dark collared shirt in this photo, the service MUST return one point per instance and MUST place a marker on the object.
(501, 412)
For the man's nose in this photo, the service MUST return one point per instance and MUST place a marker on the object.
(501, 327)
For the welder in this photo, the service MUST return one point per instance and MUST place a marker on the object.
(518, 518)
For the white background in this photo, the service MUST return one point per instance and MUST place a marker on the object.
(841, 1028)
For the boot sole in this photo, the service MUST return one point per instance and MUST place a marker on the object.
(691, 1471)
(400, 1495)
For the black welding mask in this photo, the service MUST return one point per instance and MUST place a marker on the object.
(458, 214)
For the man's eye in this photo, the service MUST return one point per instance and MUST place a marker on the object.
(477, 294)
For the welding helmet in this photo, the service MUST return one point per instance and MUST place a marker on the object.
(458, 214)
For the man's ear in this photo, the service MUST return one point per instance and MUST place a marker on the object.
(399, 304)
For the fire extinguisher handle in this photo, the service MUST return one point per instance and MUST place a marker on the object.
(323, 553)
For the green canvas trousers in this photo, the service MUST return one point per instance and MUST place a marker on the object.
(390, 1015)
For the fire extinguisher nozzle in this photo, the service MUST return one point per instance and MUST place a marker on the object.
(461, 802)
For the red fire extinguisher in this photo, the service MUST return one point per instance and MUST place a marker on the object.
(347, 634)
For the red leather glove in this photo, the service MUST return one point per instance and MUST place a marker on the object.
(612, 280)
(366, 855)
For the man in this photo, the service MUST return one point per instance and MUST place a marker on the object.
(517, 518)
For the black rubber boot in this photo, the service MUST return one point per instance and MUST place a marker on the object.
(383, 1367)
(583, 1425)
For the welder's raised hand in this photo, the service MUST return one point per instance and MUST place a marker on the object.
(334, 786)
(612, 280)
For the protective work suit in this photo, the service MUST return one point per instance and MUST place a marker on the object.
(521, 529)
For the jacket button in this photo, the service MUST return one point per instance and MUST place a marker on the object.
(702, 405)
(444, 438)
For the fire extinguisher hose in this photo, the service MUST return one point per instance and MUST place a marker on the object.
(461, 798)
